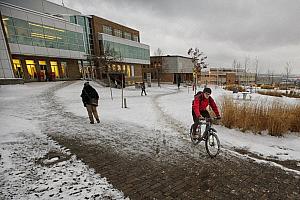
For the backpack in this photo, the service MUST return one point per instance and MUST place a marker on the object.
(198, 94)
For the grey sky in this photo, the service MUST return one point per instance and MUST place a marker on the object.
(223, 30)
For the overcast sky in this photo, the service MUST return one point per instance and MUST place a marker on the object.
(224, 30)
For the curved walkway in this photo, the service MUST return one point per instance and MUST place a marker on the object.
(160, 166)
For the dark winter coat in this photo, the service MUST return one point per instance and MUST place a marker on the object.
(88, 92)
(200, 103)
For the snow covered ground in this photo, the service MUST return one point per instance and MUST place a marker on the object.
(20, 131)
(177, 104)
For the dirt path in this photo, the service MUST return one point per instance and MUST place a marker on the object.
(157, 166)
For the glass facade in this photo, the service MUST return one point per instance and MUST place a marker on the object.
(28, 33)
(127, 51)
(85, 22)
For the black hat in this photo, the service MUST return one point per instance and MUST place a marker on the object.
(207, 90)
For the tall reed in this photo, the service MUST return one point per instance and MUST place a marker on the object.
(273, 117)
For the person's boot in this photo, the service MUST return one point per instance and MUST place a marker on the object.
(91, 122)
(98, 120)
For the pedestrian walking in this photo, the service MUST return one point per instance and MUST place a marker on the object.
(143, 89)
(90, 99)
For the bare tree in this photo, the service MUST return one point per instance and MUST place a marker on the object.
(198, 62)
(246, 71)
(288, 70)
(107, 58)
(158, 52)
(256, 70)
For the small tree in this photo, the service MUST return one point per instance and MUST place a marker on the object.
(158, 52)
(107, 58)
(198, 62)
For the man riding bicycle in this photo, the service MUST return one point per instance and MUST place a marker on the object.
(200, 103)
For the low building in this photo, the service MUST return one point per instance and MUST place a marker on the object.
(222, 76)
(171, 69)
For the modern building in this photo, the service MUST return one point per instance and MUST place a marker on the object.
(38, 44)
(46, 41)
(131, 56)
(171, 69)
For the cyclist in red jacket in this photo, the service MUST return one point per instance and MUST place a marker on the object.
(200, 103)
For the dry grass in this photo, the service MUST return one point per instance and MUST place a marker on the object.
(267, 87)
(277, 119)
(270, 93)
(233, 87)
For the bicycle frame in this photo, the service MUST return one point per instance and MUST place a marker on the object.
(212, 142)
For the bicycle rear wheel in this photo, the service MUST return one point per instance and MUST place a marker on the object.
(212, 144)
(195, 141)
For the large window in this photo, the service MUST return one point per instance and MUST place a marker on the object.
(107, 30)
(54, 68)
(18, 68)
(117, 32)
(127, 35)
(31, 69)
(64, 69)
(135, 38)
(28, 33)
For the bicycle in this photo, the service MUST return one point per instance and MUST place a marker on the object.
(212, 142)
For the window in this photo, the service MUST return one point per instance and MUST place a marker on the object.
(117, 32)
(31, 69)
(107, 30)
(54, 68)
(135, 38)
(18, 68)
(64, 69)
(128, 70)
(127, 35)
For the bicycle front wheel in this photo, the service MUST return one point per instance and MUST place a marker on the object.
(212, 144)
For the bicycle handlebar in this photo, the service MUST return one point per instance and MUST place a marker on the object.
(209, 118)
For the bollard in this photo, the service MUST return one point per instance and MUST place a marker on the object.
(125, 104)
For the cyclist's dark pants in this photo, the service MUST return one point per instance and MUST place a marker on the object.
(204, 113)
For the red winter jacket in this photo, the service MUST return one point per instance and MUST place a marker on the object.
(197, 106)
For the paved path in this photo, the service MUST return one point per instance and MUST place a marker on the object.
(149, 164)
